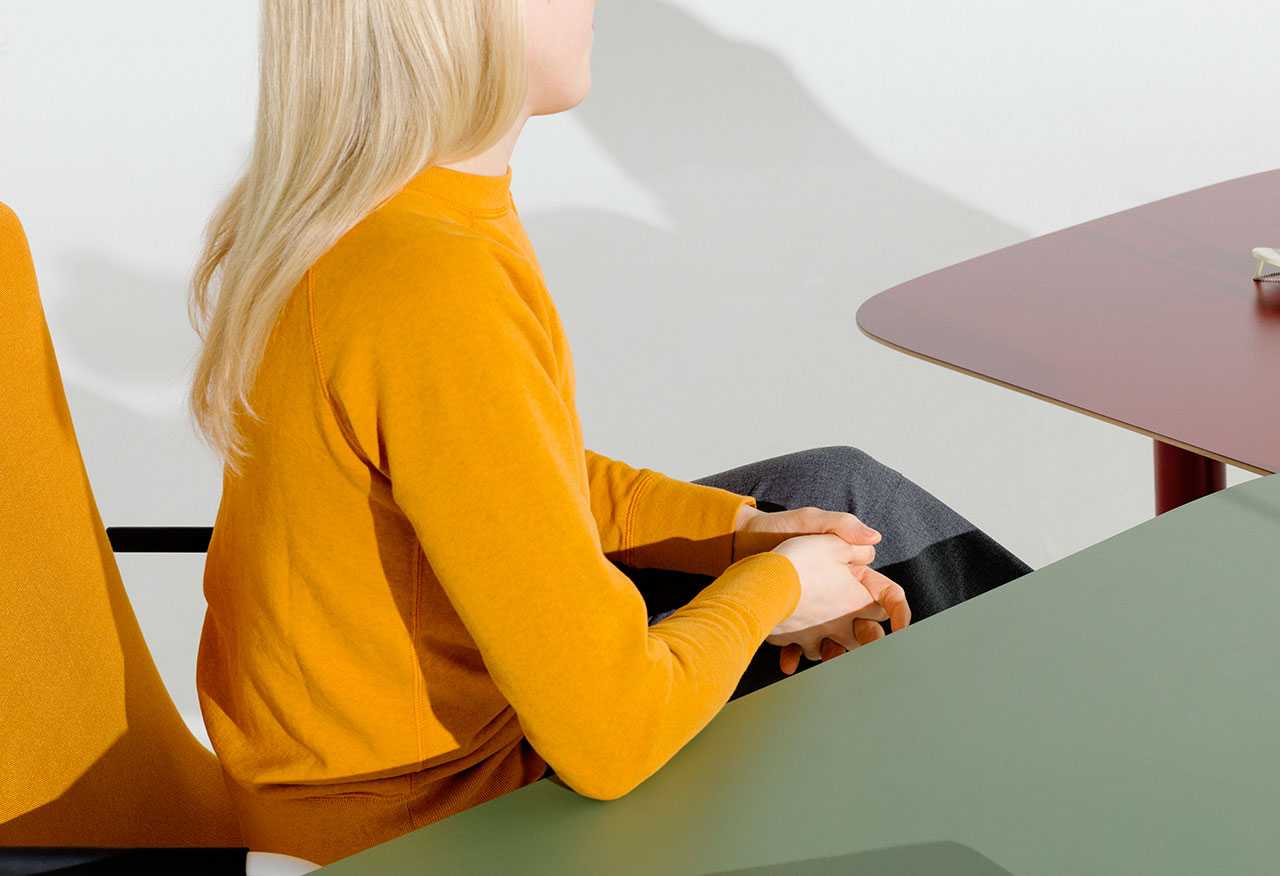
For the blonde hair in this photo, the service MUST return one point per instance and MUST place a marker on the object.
(356, 97)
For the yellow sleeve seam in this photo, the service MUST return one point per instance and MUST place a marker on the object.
(628, 529)
(315, 338)
(339, 416)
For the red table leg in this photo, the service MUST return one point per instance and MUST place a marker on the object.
(1183, 476)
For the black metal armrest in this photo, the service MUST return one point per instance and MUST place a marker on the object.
(188, 861)
(159, 539)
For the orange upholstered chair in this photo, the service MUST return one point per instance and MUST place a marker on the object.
(93, 753)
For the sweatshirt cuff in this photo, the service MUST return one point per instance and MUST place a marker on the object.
(767, 584)
(680, 525)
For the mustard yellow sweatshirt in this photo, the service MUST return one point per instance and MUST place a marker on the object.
(411, 604)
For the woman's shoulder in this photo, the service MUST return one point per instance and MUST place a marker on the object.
(395, 243)
(399, 270)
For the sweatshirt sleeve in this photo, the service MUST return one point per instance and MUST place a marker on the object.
(650, 520)
(485, 461)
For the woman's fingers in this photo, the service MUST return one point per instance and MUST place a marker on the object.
(874, 610)
(789, 659)
(841, 633)
(811, 650)
(891, 597)
(832, 649)
(841, 523)
(867, 631)
(859, 554)
(863, 631)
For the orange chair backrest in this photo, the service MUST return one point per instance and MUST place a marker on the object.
(92, 750)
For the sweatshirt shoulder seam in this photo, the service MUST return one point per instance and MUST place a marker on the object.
(317, 359)
(321, 377)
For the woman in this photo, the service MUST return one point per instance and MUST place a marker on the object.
(423, 590)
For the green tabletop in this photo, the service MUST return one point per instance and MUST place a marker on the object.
(1115, 712)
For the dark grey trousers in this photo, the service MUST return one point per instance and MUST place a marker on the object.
(938, 557)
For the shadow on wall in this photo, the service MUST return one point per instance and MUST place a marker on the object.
(127, 349)
(735, 326)
(783, 223)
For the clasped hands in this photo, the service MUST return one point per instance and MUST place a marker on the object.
(833, 617)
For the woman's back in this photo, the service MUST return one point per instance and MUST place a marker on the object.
(419, 548)
(415, 546)
(331, 659)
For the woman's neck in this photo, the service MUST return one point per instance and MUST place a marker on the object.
(494, 160)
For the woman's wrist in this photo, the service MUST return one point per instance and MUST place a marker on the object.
(745, 513)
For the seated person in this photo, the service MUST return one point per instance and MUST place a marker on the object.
(423, 590)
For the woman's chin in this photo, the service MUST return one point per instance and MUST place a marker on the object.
(564, 102)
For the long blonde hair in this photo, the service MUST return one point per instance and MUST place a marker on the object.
(356, 97)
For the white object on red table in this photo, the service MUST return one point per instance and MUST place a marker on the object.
(1266, 255)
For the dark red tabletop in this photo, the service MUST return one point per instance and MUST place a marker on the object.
(1149, 318)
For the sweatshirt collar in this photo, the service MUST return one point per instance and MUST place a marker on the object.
(480, 194)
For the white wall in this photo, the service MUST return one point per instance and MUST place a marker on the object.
(744, 174)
